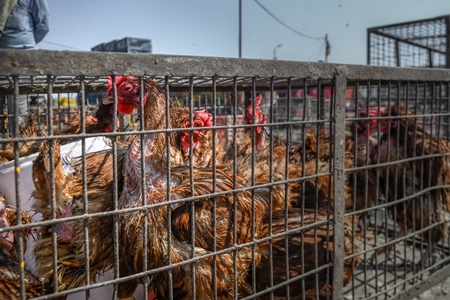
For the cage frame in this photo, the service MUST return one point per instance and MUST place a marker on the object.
(43, 64)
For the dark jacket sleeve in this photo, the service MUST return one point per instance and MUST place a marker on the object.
(40, 14)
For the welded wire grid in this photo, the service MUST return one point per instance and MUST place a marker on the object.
(422, 43)
(385, 275)
(293, 107)
(309, 118)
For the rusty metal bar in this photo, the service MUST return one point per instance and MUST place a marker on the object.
(407, 23)
(408, 42)
(339, 182)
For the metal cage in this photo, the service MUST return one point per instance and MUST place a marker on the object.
(308, 215)
(421, 43)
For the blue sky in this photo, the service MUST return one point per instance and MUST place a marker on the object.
(210, 27)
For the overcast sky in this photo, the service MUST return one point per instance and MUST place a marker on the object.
(211, 27)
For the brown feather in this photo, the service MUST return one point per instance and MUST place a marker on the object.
(308, 249)
(10, 265)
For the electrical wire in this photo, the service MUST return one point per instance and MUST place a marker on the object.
(285, 25)
(235, 20)
(222, 10)
(61, 45)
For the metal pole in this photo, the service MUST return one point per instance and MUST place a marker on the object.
(369, 34)
(240, 28)
(327, 48)
(275, 50)
(447, 21)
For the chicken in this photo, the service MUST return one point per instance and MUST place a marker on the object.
(426, 168)
(69, 200)
(244, 145)
(202, 152)
(234, 217)
(74, 126)
(313, 192)
(261, 163)
(317, 162)
(309, 249)
(10, 283)
(11, 220)
(6, 236)
(360, 143)
(42, 168)
(26, 130)
(102, 122)
(316, 156)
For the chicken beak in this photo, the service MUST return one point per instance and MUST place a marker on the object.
(107, 100)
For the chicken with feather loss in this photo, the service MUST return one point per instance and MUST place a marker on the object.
(174, 242)
(70, 202)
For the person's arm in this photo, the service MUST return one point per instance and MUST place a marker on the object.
(40, 13)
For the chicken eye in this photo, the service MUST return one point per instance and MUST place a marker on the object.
(127, 88)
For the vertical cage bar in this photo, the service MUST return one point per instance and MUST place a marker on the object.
(85, 199)
(144, 189)
(20, 246)
(235, 93)
(214, 208)
(191, 179)
(169, 175)
(115, 190)
(339, 182)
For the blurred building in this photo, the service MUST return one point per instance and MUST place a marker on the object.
(128, 45)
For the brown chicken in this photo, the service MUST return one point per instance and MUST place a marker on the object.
(318, 160)
(312, 192)
(69, 200)
(10, 284)
(102, 122)
(427, 168)
(42, 167)
(360, 142)
(308, 249)
(223, 211)
(261, 163)
(26, 130)
(202, 152)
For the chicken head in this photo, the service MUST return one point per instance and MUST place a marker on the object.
(127, 94)
(260, 117)
(201, 119)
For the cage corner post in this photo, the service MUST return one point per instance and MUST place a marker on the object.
(339, 182)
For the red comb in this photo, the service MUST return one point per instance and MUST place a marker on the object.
(258, 100)
(119, 80)
(373, 112)
(205, 116)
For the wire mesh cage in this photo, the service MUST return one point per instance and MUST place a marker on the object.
(421, 43)
(231, 179)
